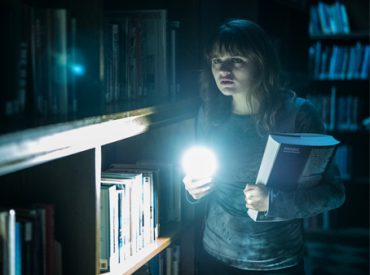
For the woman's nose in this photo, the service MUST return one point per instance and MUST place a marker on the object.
(225, 68)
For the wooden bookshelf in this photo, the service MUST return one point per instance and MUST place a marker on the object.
(34, 146)
(61, 165)
(347, 218)
(171, 233)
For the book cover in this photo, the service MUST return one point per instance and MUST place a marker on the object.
(292, 162)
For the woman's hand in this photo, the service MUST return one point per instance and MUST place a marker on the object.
(198, 188)
(257, 197)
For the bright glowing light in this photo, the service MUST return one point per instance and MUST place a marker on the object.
(199, 162)
(78, 69)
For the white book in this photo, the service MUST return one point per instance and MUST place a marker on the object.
(7, 235)
(309, 154)
(147, 212)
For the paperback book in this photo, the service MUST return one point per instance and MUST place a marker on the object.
(292, 162)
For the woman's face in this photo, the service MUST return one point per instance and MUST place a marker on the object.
(234, 74)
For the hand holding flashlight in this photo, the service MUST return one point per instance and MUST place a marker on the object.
(199, 165)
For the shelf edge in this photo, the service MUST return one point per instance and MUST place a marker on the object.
(35, 146)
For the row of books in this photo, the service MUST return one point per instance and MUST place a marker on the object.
(140, 58)
(27, 241)
(140, 54)
(135, 200)
(167, 262)
(339, 112)
(339, 62)
(48, 84)
(328, 19)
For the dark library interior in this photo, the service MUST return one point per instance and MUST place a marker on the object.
(58, 135)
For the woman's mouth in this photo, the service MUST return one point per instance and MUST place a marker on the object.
(226, 82)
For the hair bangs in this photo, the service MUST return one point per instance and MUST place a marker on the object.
(227, 42)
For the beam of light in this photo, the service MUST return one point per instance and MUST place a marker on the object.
(199, 162)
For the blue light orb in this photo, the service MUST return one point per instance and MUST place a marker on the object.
(78, 69)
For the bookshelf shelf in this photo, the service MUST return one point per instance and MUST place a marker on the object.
(171, 232)
(30, 147)
(353, 35)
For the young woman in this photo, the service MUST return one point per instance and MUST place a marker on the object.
(244, 100)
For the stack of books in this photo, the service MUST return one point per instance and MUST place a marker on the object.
(135, 200)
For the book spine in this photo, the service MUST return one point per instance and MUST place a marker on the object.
(121, 257)
(345, 21)
(60, 76)
(104, 229)
(115, 60)
(49, 239)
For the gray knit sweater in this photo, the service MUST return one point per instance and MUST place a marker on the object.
(230, 235)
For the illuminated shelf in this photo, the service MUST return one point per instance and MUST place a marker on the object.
(171, 232)
(33, 146)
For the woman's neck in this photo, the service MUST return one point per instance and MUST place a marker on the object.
(240, 106)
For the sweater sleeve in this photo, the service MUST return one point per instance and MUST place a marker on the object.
(327, 195)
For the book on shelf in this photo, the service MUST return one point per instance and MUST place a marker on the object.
(293, 162)
(145, 62)
(41, 49)
(32, 246)
(8, 241)
(365, 123)
(173, 33)
(338, 61)
(170, 187)
(120, 217)
(338, 112)
(328, 19)
(151, 179)
(19, 106)
(167, 262)
(128, 208)
(53, 57)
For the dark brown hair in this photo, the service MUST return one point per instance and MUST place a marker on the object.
(247, 38)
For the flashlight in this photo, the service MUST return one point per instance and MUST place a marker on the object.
(199, 162)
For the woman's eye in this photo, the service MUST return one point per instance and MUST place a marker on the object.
(237, 60)
(216, 61)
